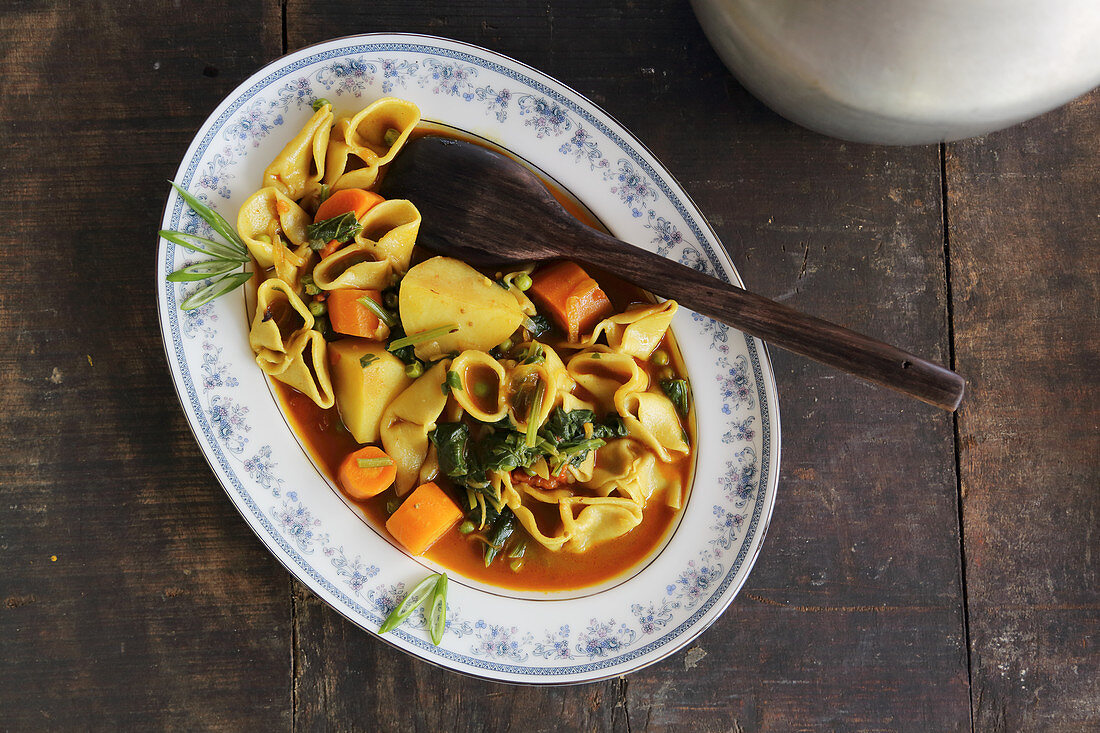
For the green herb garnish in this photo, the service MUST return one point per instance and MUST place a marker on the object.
(226, 258)
(341, 227)
(414, 600)
(437, 613)
(374, 462)
(215, 289)
(421, 337)
(367, 359)
(383, 315)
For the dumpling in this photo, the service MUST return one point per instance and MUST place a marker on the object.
(628, 468)
(307, 370)
(651, 418)
(281, 318)
(607, 377)
(590, 520)
(267, 217)
(636, 332)
(365, 133)
(358, 146)
(353, 266)
(389, 232)
(297, 170)
(482, 381)
(525, 380)
(407, 421)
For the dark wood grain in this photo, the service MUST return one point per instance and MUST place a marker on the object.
(133, 597)
(1025, 257)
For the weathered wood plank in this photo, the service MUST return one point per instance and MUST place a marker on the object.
(133, 596)
(853, 617)
(1025, 267)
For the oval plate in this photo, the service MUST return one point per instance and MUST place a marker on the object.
(306, 524)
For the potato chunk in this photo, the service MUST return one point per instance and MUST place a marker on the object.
(364, 390)
(442, 291)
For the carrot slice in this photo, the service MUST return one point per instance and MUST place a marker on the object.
(572, 298)
(364, 473)
(423, 518)
(351, 318)
(355, 200)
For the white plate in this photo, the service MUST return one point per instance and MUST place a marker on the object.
(304, 521)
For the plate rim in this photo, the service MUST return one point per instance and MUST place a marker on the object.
(765, 373)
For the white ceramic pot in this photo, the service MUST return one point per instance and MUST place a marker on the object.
(908, 71)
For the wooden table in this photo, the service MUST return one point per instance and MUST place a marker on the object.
(923, 571)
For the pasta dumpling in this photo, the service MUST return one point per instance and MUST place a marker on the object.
(297, 171)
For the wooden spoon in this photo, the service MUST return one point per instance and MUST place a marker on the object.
(485, 208)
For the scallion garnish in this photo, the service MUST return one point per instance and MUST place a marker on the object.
(374, 462)
(367, 359)
(421, 337)
(437, 614)
(383, 315)
(431, 590)
(414, 600)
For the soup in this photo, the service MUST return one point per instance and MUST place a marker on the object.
(529, 429)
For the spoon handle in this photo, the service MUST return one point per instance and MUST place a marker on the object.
(774, 322)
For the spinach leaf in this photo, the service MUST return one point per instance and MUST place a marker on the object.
(452, 444)
(677, 391)
(611, 427)
(536, 325)
(341, 228)
(505, 450)
(564, 426)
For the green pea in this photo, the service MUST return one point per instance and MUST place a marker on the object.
(505, 346)
(391, 136)
(393, 505)
(481, 389)
(319, 103)
(414, 370)
(318, 308)
(523, 281)
(263, 238)
(390, 301)
(466, 527)
(659, 358)
(666, 373)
